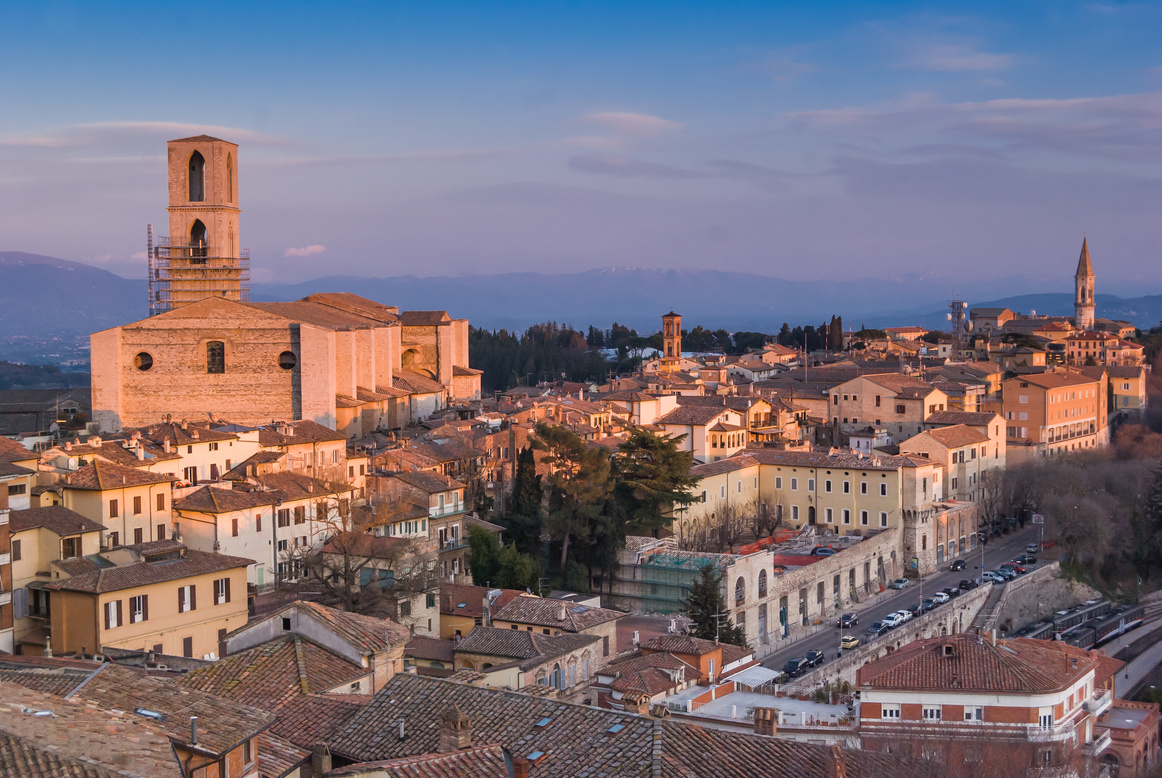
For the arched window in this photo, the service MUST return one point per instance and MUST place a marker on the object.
(739, 591)
(215, 357)
(585, 665)
(542, 679)
(197, 178)
(229, 178)
(198, 239)
(557, 682)
(466, 665)
(762, 583)
(572, 680)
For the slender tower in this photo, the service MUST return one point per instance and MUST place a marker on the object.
(201, 257)
(671, 342)
(1083, 306)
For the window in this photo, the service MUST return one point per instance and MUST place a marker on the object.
(221, 591)
(113, 614)
(827, 486)
(795, 512)
(739, 591)
(247, 752)
(283, 517)
(722, 491)
(215, 357)
(883, 489)
(138, 535)
(762, 583)
(114, 539)
(778, 482)
(234, 528)
(863, 518)
(188, 648)
(828, 514)
(974, 714)
(197, 178)
(143, 361)
(890, 711)
(15, 489)
(113, 510)
(847, 487)
(300, 514)
(794, 484)
(846, 516)
(138, 608)
(161, 532)
(258, 522)
(901, 410)
(187, 598)
(810, 484)
(931, 714)
(863, 487)
(161, 502)
(883, 518)
(16, 551)
(877, 401)
(1046, 718)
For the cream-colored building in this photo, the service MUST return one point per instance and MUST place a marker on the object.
(710, 433)
(158, 596)
(41, 536)
(966, 453)
(1129, 388)
(1057, 411)
(896, 402)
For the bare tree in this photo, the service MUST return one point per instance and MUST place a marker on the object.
(768, 515)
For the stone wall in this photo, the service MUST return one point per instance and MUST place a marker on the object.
(947, 619)
(1036, 596)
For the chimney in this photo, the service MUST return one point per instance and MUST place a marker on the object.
(636, 702)
(561, 613)
(994, 638)
(487, 611)
(320, 761)
(455, 730)
(766, 721)
(193, 730)
(520, 767)
(165, 445)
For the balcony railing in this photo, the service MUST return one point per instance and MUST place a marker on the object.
(1099, 744)
(1100, 702)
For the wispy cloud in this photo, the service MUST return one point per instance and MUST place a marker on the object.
(637, 124)
(305, 251)
(102, 132)
(956, 58)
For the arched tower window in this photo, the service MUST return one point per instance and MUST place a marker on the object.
(229, 178)
(215, 357)
(197, 239)
(197, 178)
(739, 591)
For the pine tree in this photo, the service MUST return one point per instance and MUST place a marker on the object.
(581, 481)
(525, 519)
(705, 606)
(653, 479)
(785, 338)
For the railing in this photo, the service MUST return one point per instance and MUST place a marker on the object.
(1100, 702)
(1099, 744)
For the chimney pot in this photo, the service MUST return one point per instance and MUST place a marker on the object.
(520, 767)
(193, 730)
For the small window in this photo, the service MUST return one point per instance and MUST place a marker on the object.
(137, 505)
(161, 502)
(890, 712)
(143, 361)
(215, 357)
(16, 551)
(197, 179)
(287, 360)
(113, 509)
(931, 714)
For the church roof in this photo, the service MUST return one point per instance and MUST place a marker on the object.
(201, 139)
(1084, 268)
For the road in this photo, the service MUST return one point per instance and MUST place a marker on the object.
(1000, 549)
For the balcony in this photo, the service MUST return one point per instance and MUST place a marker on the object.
(1099, 744)
(5, 598)
(1099, 702)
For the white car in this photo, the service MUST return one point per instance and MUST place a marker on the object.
(904, 616)
(940, 597)
(989, 575)
(892, 620)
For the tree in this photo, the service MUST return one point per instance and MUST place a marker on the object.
(835, 334)
(518, 571)
(653, 479)
(747, 341)
(526, 516)
(579, 483)
(1152, 511)
(500, 566)
(483, 555)
(784, 337)
(706, 608)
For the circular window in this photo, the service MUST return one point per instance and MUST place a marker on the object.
(287, 360)
(143, 361)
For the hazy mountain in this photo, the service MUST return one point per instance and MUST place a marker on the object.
(46, 297)
(1144, 312)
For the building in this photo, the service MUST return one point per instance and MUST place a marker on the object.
(967, 454)
(517, 659)
(1129, 388)
(990, 320)
(1133, 730)
(41, 410)
(464, 607)
(711, 432)
(965, 701)
(40, 537)
(666, 665)
(1083, 281)
(1062, 410)
(556, 617)
(671, 342)
(145, 596)
(896, 402)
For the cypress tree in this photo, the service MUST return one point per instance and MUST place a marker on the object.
(705, 606)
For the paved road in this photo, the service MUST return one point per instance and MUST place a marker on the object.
(999, 550)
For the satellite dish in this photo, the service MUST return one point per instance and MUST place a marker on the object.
(948, 317)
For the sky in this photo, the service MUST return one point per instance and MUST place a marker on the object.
(805, 141)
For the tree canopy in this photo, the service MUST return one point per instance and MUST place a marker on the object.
(707, 609)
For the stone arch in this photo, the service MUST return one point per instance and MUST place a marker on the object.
(740, 591)
(762, 583)
(197, 239)
(196, 179)
(542, 679)
(466, 664)
(485, 666)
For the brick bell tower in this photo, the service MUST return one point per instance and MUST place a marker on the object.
(1083, 305)
(200, 258)
(671, 342)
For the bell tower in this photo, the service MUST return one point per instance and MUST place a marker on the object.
(1083, 305)
(671, 342)
(200, 258)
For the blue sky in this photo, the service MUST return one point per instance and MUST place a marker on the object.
(809, 140)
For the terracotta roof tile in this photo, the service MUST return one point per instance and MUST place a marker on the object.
(101, 474)
(478, 762)
(432, 649)
(54, 518)
(308, 719)
(112, 579)
(544, 612)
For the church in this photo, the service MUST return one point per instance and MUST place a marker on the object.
(207, 351)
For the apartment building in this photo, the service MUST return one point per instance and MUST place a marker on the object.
(896, 402)
(966, 453)
(710, 432)
(1061, 410)
(965, 701)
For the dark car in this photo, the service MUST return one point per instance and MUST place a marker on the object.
(877, 628)
(1026, 559)
(815, 658)
(952, 591)
(848, 620)
(928, 603)
(983, 538)
(796, 666)
(957, 565)
(966, 584)
(916, 610)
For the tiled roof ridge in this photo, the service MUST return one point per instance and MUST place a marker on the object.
(301, 665)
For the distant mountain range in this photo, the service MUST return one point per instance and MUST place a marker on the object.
(46, 300)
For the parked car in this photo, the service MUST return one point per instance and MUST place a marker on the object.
(940, 597)
(1026, 559)
(989, 575)
(1031, 548)
(900, 583)
(905, 615)
(796, 666)
(847, 620)
(848, 642)
(967, 583)
(983, 538)
(823, 551)
(878, 628)
(1008, 573)
(957, 565)
(892, 620)
(1019, 569)
(952, 591)
(916, 610)
(815, 658)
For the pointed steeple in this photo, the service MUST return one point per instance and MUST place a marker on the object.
(1084, 268)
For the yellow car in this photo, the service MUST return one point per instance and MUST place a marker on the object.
(849, 641)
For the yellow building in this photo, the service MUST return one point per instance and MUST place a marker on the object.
(41, 536)
(1129, 388)
(159, 597)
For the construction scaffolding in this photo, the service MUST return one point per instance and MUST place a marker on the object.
(184, 273)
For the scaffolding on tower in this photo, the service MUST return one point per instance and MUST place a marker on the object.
(960, 326)
(180, 274)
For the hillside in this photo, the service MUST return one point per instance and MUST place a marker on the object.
(45, 296)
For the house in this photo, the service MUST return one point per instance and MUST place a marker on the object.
(516, 659)
(967, 701)
(966, 453)
(429, 505)
(404, 571)
(464, 607)
(709, 432)
(146, 596)
(905, 333)
(1133, 731)
(554, 617)
(41, 410)
(132, 504)
(988, 320)
(1062, 410)
(895, 401)
(41, 536)
(1129, 388)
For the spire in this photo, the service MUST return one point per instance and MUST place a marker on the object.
(1084, 268)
